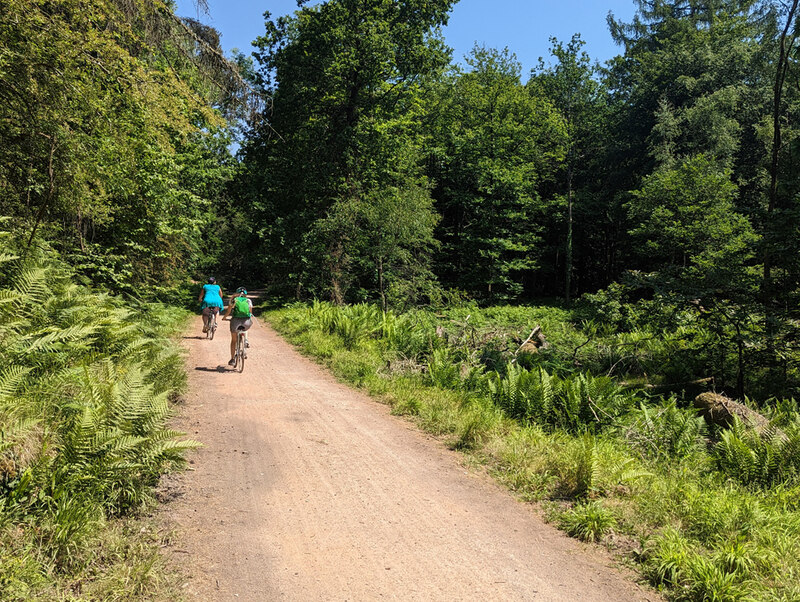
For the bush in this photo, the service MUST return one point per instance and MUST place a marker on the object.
(666, 432)
(764, 459)
(574, 403)
(589, 522)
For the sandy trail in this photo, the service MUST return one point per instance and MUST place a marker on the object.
(307, 490)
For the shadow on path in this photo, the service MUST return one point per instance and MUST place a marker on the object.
(221, 369)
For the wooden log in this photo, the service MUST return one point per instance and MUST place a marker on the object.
(699, 381)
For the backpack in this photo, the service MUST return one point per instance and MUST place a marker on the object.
(241, 307)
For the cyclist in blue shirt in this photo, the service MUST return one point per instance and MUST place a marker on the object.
(211, 301)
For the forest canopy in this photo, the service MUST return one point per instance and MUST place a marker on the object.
(368, 166)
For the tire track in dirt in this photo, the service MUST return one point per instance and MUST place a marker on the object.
(308, 490)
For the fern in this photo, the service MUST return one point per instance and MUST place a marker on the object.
(588, 468)
(11, 380)
(752, 459)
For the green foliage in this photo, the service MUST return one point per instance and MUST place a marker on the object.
(105, 124)
(688, 229)
(764, 459)
(572, 88)
(442, 370)
(83, 416)
(341, 203)
(589, 522)
(494, 143)
(573, 403)
(665, 557)
(666, 431)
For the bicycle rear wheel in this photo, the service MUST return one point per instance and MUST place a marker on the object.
(212, 327)
(240, 351)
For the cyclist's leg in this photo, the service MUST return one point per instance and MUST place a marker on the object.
(235, 324)
(233, 346)
(246, 326)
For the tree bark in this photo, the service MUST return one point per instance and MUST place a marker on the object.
(568, 258)
(780, 78)
(50, 191)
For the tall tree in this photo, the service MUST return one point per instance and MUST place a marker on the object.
(101, 102)
(494, 144)
(345, 76)
(570, 86)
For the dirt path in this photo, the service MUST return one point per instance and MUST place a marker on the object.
(307, 490)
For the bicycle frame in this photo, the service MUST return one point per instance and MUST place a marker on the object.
(212, 325)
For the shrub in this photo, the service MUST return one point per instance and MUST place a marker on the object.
(84, 391)
(666, 432)
(574, 403)
(761, 459)
(588, 522)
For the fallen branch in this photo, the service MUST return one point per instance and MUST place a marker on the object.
(699, 381)
(535, 341)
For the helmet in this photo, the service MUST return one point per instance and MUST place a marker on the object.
(241, 290)
(211, 280)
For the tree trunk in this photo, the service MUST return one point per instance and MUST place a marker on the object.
(380, 284)
(780, 78)
(336, 268)
(568, 258)
(50, 191)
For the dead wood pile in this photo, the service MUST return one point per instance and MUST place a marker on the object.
(535, 341)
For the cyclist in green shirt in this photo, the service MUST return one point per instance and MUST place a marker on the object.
(240, 312)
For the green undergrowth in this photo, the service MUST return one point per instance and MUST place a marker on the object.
(87, 382)
(704, 515)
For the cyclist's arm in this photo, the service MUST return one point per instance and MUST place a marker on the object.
(229, 310)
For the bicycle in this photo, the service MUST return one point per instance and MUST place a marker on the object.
(241, 351)
(211, 325)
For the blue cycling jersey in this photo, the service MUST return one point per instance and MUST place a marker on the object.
(212, 296)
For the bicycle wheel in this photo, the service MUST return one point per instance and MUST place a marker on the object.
(240, 351)
(212, 328)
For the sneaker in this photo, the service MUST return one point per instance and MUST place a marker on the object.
(232, 362)
(205, 329)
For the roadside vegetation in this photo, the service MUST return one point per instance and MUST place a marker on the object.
(113, 160)
(87, 383)
(705, 513)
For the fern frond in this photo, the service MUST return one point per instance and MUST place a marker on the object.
(10, 381)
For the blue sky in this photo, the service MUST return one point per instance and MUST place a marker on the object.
(524, 26)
